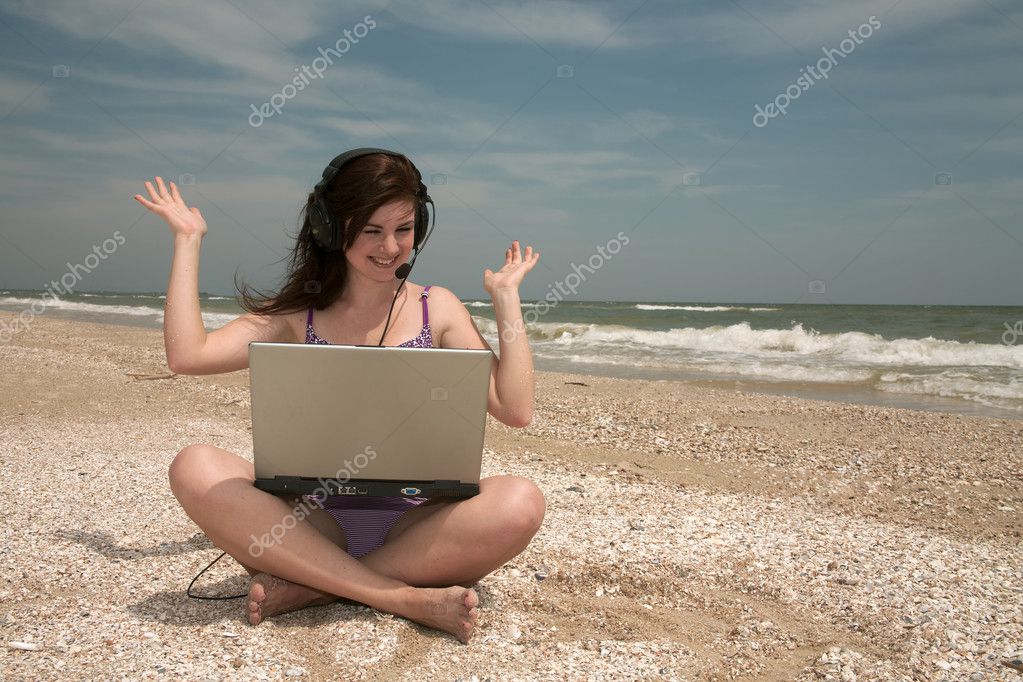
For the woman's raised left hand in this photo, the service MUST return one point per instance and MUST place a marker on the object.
(516, 265)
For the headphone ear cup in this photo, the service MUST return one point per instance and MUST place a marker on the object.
(322, 226)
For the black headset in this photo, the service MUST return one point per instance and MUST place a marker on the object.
(328, 234)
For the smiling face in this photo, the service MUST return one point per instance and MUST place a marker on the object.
(384, 243)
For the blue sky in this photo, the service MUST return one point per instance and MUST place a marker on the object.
(648, 130)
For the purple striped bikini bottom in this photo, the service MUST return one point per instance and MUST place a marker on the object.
(367, 520)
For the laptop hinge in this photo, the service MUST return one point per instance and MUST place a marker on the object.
(288, 482)
(299, 485)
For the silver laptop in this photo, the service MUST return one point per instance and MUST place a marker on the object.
(367, 420)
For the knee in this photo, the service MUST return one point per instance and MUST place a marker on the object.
(524, 506)
(185, 472)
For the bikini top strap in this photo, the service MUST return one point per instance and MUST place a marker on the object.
(426, 309)
(309, 318)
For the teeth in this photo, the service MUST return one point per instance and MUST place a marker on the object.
(381, 262)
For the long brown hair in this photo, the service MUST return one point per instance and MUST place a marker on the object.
(316, 277)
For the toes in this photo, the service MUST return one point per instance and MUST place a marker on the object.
(257, 593)
(471, 599)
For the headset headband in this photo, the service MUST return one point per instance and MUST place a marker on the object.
(326, 233)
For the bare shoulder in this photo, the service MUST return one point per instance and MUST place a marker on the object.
(227, 349)
(454, 327)
(442, 296)
(280, 327)
(287, 327)
(446, 305)
(442, 302)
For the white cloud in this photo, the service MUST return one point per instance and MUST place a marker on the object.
(562, 170)
(550, 24)
(371, 128)
(650, 123)
(212, 34)
(116, 144)
(759, 29)
(19, 96)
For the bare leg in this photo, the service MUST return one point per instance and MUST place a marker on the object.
(469, 541)
(452, 543)
(270, 595)
(215, 488)
(460, 542)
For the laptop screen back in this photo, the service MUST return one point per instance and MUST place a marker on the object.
(354, 412)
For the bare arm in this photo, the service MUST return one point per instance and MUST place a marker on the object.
(513, 383)
(190, 350)
(514, 380)
(184, 333)
(511, 394)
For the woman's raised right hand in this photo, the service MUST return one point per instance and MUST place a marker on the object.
(183, 221)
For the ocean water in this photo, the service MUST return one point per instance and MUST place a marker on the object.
(966, 359)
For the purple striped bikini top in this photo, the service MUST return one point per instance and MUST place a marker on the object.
(424, 340)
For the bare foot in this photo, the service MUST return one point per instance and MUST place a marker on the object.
(270, 595)
(451, 609)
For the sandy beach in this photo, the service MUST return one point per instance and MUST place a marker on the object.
(691, 533)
